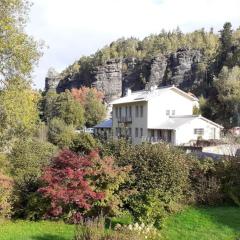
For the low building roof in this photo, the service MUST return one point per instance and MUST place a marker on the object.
(104, 124)
(176, 121)
(145, 95)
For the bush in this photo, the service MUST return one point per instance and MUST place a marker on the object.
(228, 171)
(85, 185)
(5, 195)
(160, 175)
(94, 229)
(205, 182)
(67, 186)
(113, 181)
(61, 134)
(84, 143)
(27, 160)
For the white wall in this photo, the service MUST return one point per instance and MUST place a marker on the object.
(185, 133)
(137, 122)
(169, 100)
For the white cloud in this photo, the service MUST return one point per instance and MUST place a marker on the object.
(73, 28)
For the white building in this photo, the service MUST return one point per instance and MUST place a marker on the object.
(160, 114)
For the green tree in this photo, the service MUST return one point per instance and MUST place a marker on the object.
(95, 110)
(228, 87)
(61, 134)
(19, 111)
(226, 43)
(28, 158)
(65, 107)
(18, 51)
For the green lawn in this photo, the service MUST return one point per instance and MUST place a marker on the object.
(44, 230)
(220, 223)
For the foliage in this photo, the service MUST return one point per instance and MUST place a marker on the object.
(5, 195)
(92, 101)
(69, 110)
(113, 181)
(84, 143)
(63, 106)
(27, 159)
(67, 186)
(81, 94)
(94, 229)
(61, 134)
(19, 113)
(18, 51)
(228, 170)
(159, 174)
(205, 183)
(147, 207)
(228, 87)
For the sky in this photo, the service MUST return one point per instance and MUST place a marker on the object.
(73, 28)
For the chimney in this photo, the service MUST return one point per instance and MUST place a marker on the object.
(128, 92)
(154, 87)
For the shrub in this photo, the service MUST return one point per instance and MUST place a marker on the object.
(228, 171)
(27, 160)
(67, 186)
(84, 143)
(61, 134)
(113, 181)
(5, 195)
(205, 183)
(94, 229)
(160, 175)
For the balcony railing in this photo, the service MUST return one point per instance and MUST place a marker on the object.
(152, 139)
(125, 119)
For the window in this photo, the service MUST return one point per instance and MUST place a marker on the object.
(136, 132)
(159, 134)
(167, 112)
(136, 111)
(116, 111)
(130, 111)
(152, 133)
(141, 111)
(116, 132)
(126, 111)
(130, 132)
(141, 132)
(199, 131)
(120, 112)
(173, 112)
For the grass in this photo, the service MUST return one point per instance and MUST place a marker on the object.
(43, 230)
(216, 223)
(219, 223)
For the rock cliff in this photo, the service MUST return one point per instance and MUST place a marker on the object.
(116, 75)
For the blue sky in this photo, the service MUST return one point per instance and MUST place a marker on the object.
(72, 28)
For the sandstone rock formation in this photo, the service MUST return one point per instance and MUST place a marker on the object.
(116, 75)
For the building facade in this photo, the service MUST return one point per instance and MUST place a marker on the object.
(160, 114)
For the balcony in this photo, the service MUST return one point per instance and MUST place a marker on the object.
(125, 119)
(152, 139)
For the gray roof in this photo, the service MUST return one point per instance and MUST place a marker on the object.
(176, 121)
(104, 124)
(146, 95)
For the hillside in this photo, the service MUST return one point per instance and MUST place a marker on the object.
(191, 61)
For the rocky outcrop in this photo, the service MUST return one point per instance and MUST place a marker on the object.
(116, 75)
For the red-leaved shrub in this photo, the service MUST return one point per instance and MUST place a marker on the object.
(67, 185)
